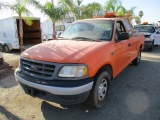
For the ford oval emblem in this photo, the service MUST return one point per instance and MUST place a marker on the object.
(33, 68)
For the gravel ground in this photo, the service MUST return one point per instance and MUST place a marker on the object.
(134, 95)
(10, 64)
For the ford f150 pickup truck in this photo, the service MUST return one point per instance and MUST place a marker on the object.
(80, 64)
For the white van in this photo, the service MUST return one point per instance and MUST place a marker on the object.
(60, 26)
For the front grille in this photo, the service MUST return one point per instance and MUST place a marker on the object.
(37, 69)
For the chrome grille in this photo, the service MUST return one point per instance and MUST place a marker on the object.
(37, 69)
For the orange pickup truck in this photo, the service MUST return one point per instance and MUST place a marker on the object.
(79, 65)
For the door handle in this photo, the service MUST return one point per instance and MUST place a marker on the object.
(129, 44)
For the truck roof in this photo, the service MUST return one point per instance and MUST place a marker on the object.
(145, 25)
(104, 19)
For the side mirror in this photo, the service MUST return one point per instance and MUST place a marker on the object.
(124, 36)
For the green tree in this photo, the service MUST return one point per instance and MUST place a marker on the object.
(73, 7)
(55, 13)
(82, 11)
(20, 8)
(94, 9)
(77, 9)
(115, 6)
(140, 15)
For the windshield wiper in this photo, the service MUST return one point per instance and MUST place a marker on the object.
(62, 38)
(83, 38)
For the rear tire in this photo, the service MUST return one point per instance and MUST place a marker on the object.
(6, 48)
(137, 60)
(100, 90)
(1, 48)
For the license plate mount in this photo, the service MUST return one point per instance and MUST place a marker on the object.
(30, 91)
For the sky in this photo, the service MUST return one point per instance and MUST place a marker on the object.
(150, 8)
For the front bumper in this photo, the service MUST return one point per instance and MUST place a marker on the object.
(60, 93)
(147, 44)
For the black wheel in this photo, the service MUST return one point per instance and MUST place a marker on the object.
(151, 48)
(100, 90)
(1, 47)
(137, 60)
(6, 48)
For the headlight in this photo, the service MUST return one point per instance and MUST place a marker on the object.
(73, 71)
(148, 39)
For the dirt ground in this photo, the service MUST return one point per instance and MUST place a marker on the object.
(134, 95)
(10, 64)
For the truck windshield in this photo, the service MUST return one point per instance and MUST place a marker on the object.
(89, 30)
(145, 28)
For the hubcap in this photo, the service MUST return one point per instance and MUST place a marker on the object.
(102, 89)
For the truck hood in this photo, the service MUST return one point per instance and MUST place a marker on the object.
(61, 51)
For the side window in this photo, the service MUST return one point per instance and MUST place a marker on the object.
(128, 28)
(119, 29)
(60, 28)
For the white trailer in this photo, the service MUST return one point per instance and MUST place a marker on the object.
(9, 34)
(61, 25)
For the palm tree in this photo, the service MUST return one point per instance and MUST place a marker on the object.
(131, 11)
(74, 7)
(136, 18)
(20, 8)
(94, 9)
(115, 6)
(77, 9)
(140, 15)
(55, 13)
(130, 15)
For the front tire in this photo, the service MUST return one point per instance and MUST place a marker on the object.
(137, 60)
(6, 48)
(100, 90)
(152, 46)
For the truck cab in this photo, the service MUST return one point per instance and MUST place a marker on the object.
(80, 64)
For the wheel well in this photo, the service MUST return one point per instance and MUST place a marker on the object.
(141, 46)
(107, 68)
(9, 45)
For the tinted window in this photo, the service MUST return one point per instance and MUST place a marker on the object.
(119, 29)
(145, 28)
